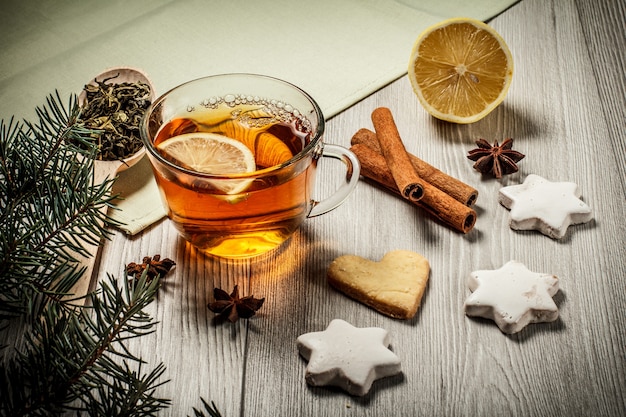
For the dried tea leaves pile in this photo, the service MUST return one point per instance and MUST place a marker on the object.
(116, 110)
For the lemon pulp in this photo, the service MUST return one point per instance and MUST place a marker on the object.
(460, 70)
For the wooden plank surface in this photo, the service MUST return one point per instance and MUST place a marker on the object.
(565, 110)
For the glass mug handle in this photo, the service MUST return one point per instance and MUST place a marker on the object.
(353, 169)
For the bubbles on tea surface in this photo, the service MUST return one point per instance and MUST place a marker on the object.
(269, 111)
(209, 102)
(230, 99)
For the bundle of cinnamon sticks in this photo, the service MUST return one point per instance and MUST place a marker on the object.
(384, 160)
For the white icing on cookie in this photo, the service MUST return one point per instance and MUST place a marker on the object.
(348, 357)
(512, 296)
(550, 207)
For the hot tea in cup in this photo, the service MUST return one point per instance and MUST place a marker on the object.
(235, 158)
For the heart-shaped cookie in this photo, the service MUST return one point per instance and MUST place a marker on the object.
(394, 286)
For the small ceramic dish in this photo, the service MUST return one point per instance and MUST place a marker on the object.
(118, 75)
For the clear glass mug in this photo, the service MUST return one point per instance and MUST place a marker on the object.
(243, 215)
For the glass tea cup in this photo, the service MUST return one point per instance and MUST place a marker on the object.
(250, 212)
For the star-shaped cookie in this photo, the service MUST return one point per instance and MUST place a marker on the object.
(348, 357)
(512, 296)
(539, 204)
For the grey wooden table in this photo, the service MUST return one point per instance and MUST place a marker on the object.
(566, 110)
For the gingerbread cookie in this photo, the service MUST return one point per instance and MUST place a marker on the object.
(348, 357)
(394, 286)
(550, 207)
(512, 296)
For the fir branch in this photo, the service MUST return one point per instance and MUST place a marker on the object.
(59, 125)
(49, 207)
(68, 363)
(133, 397)
(209, 408)
(62, 358)
(8, 135)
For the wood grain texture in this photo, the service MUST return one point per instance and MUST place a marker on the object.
(565, 110)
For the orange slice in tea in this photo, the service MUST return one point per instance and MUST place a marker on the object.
(460, 70)
(268, 149)
(211, 153)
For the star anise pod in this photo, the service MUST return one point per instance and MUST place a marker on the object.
(232, 306)
(155, 267)
(497, 159)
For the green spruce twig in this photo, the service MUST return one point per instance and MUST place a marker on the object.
(69, 359)
(49, 207)
(209, 408)
(56, 357)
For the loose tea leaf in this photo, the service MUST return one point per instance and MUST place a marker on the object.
(116, 111)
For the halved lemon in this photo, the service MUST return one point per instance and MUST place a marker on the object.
(211, 153)
(460, 69)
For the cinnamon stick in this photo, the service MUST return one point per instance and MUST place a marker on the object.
(397, 159)
(454, 187)
(436, 202)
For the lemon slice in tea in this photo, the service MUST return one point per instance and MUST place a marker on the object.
(211, 153)
(460, 70)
